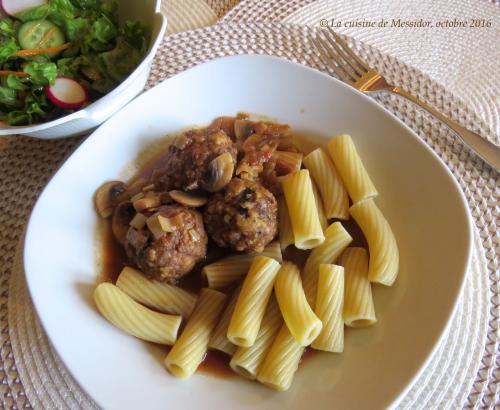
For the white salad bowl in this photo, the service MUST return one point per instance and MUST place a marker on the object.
(418, 196)
(146, 11)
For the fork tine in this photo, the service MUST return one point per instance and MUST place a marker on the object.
(341, 60)
(349, 51)
(351, 65)
(327, 59)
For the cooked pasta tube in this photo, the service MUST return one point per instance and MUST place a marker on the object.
(190, 348)
(384, 254)
(300, 319)
(337, 239)
(157, 295)
(281, 362)
(219, 340)
(321, 209)
(326, 177)
(285, 225)
(299, 196)
(252, 301)
(228, 270)
(351, 169)
(131, 317)
(329, 308)
(358, 301)
(246, 361)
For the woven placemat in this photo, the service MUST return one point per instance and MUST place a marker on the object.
(32, 373)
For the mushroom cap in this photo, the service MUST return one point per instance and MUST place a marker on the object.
(120, 224)
(219, 173)
(188, 199)
(107, 196)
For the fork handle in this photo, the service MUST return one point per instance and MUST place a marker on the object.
(489, 152)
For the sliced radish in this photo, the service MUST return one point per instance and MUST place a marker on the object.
(13, 7)
(67, 93)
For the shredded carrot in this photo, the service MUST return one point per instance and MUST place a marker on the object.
(16, 73)
(37, 51)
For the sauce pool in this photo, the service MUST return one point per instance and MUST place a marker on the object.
(217, 364)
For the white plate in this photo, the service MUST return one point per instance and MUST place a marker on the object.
(418, 195)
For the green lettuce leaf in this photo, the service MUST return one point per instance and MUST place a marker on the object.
(8, 97)
(87, 4)
(8, 46)
(8, 27)
(16, 83)
(120, 61)
(137, 35)
(41, 73)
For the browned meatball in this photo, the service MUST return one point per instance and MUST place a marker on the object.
(242, 217)
(189, 163)
(172, 255)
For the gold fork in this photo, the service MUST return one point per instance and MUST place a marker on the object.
(355, 72)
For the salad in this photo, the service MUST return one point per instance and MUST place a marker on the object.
(56, 56)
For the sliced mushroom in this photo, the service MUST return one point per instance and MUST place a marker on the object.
(124, 213)
(187, 199)
(106, 197)
(220, 172)
(243, 128)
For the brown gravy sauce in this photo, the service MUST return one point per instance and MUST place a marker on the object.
(114, 259)
(217, 364)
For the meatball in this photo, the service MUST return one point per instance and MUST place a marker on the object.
(173, 254)
(242, 217)
(196, 159)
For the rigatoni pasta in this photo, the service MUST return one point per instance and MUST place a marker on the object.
(285, 231)
(337, 239)
(351, 169)
(384, 254)
(252, 301)
(321, 209)
(246, 361)
(157, 295)
(281, 362)
(133, 318)
(300, 319)
(329, 308)
(219, 340)
(359, 310)
(228, 270)
(333, 193)
(190, 349)
(299, 196)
